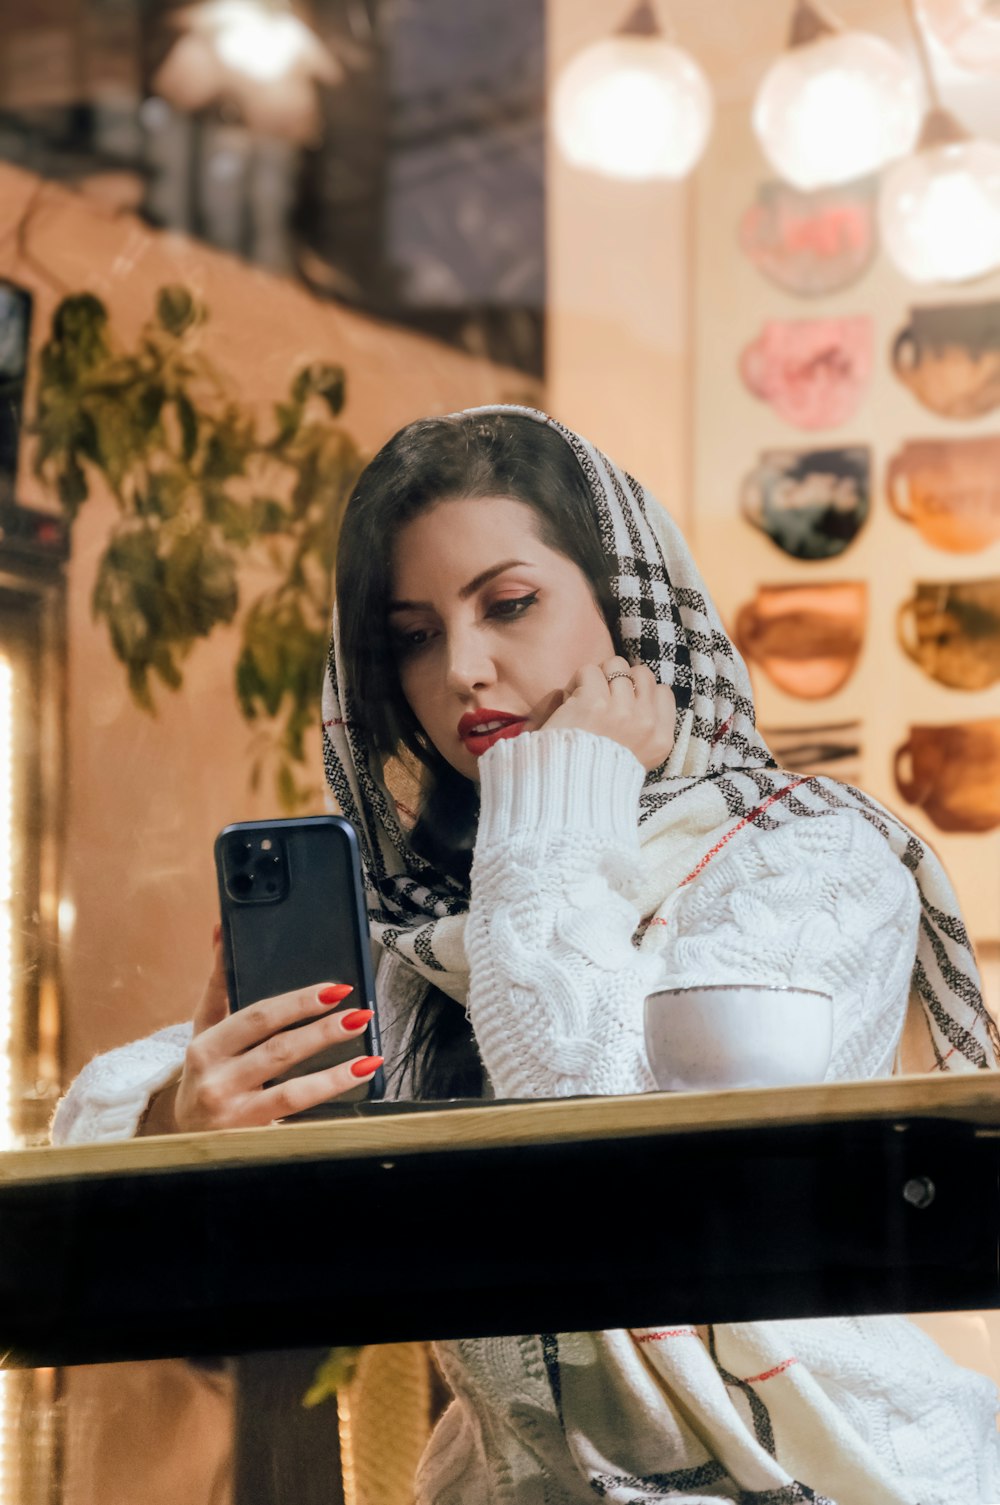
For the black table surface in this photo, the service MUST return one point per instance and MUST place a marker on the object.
(503, 1218)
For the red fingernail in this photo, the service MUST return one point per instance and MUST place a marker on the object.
(356, 1018)
(366, 1065)
(335, 994)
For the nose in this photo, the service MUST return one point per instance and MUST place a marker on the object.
(471, 668)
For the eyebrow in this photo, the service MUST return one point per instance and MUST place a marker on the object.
(483, 578)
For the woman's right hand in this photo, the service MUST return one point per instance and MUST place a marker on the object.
(232, 1056)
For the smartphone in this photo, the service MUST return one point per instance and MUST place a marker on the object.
(292, 905)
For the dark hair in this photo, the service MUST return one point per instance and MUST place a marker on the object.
(431, 461)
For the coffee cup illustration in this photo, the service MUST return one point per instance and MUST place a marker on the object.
(811, 503)
(806, 638)
(949, 489)
(953, 774)
(952, 630)
(810, 244)
(813, 372)
(949, 357)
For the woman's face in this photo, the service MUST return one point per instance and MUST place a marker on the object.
(489, 624)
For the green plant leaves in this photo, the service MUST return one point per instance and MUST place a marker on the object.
(335, 1373)
(199, 490)
(176, 309)
(187, 417)
(71, 484)
(322, 380)
(283, 654)
(79, 333)
(158, 589)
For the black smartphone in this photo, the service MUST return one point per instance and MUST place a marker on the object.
(292, 905)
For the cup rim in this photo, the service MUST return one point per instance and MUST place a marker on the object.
(738, 987)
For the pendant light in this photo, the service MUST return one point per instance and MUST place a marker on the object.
(836, 105)
(968, 30)
(254, 54)
(939, 210)
(632, 106)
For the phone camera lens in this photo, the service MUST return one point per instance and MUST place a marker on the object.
(240, 852)
(256, 866)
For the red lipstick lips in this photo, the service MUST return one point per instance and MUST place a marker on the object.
(480, 729)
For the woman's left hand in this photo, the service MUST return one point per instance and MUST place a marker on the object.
(622, 701)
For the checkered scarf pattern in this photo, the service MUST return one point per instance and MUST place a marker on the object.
(718, 762)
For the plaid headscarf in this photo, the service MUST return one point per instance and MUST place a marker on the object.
(720, 775)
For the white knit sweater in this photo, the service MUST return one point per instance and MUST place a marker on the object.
(870, 1407)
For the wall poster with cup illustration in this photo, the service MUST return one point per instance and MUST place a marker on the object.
(814, 373)
(810, 502)
(847, 519)
(810, 244)
(949, 490)
(948, 355)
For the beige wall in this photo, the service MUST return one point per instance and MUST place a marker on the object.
(146, 796)
(618, 318)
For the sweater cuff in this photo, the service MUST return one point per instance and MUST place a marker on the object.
(111, 1094)
(548, 782)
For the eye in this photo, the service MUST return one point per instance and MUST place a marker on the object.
(509, 609)
(409, 642)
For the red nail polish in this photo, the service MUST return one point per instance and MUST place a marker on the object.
(335, 994)
(366, 1065)
(356, 1018)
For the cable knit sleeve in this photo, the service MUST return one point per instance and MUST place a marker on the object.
(556, 986)
(111, 1093)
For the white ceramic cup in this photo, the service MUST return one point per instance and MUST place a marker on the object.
(722, 1035)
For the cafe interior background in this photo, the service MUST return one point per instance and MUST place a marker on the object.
(752, 250)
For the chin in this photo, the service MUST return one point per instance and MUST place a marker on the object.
(465, 764)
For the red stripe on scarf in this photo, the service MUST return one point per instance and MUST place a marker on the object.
(779, 794)
(757, 1379)
(723, 729)
(672, 1332)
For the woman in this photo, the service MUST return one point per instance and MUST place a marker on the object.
(599, 817)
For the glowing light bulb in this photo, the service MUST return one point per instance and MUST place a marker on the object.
(263, 59)
(939, 212)
(258, 43)
(634, 108)
(836, 109)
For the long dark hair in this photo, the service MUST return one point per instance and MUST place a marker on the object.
(431, 461)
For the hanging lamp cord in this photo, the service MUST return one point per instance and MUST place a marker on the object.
(827, 15)
(923, 55)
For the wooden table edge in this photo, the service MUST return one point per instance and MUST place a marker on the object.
(972, 1098)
